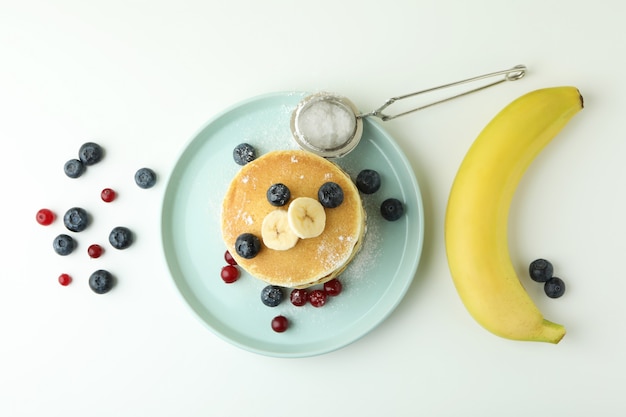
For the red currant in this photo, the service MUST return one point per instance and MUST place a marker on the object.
(95, 251)
(333, 287)
(299, 297)
(230, 274)
(65, 279)
(107, 195)
(280, 324)
(317, 298)
(229, 258)
(45, 217)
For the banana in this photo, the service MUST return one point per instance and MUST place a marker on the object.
(477, 213)
(306, 217)
(275, 231)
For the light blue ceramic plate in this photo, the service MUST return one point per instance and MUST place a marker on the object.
(375, 281)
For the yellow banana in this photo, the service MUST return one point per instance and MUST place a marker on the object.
(478, 208)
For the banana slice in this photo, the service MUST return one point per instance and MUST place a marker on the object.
(276, 232)
(306, 217)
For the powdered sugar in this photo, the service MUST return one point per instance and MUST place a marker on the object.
(269, 136)
(327, 124)
(368, 256)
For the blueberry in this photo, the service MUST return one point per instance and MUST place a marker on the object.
(368, 181)
(554, 287)
(330, 195)
(247, 245)
(540, 270)
(74, 168)
(271, 295)
(90, 153)
(101, 281)
(391, 209)
(278, 194)
(63, 245)
(244, 153)
(76, 219)
(145, 178)
(120, 237)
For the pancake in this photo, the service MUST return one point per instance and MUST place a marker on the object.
(312, 260)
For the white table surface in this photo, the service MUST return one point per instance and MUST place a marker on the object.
(141, 77)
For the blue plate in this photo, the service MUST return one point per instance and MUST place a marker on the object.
(374, 283)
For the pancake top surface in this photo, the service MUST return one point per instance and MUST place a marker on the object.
(245, 206)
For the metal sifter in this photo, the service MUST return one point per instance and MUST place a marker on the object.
(331, 126)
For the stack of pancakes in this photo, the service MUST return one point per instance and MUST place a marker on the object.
(311, 261)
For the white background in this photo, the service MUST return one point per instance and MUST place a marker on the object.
(141, 77)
